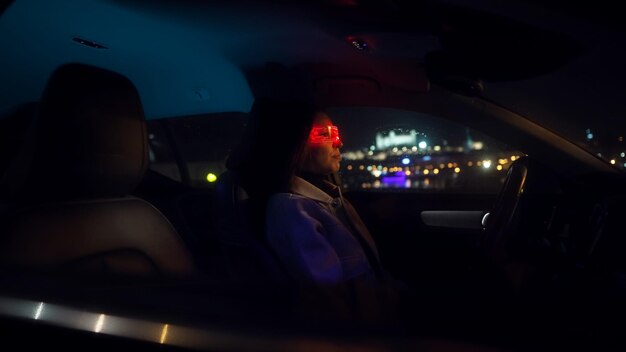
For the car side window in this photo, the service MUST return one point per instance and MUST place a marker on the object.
(203, 143)
(161, 153)
(391, 149)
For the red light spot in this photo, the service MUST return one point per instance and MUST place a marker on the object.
(326, 134)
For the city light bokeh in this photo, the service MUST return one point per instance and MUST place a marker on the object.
(397, 163)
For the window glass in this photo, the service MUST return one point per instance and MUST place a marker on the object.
(204, 143)
(162, 157)
(404, 150)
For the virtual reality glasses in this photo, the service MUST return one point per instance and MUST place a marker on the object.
(325, 134)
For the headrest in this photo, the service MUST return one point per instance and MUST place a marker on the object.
(89, 139)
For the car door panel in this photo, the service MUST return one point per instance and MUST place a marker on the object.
(412, 248)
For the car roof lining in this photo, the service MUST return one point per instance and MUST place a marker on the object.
(204, 55)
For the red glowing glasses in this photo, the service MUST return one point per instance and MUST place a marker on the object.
(325, 134)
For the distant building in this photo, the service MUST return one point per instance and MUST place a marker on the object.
(396, 138)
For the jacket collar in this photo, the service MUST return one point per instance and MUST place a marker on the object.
(304, 188)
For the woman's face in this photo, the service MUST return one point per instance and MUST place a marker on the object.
(322, 155)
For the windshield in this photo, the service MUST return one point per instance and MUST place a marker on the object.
(395, 149)
(583, 100)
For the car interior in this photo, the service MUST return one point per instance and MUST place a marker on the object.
(119, 216)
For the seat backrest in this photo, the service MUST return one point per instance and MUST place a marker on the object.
(232, 206)
(13, 129)
(71, 213)
(248, 258)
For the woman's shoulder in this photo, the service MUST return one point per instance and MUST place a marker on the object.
(287, 199)
(286, 203)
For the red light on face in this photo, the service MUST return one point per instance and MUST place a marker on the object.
(326, 134)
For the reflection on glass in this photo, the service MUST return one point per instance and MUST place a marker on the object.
(395, 149)
(164, 333)
(99, 323)
(39, 310)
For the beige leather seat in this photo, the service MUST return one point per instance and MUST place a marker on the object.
(70, 210)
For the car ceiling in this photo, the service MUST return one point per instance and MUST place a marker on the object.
(183, 61)
(193, 57)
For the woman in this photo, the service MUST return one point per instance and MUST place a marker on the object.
(311, 226)
(288, 155)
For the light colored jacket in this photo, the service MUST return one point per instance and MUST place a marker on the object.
(319, 239)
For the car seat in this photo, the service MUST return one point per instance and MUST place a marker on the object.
(247, 257)
(70, 210)
(13, 129)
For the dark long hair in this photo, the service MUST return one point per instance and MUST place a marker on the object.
(273, 146)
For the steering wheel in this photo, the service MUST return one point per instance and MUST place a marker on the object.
(498, 229)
